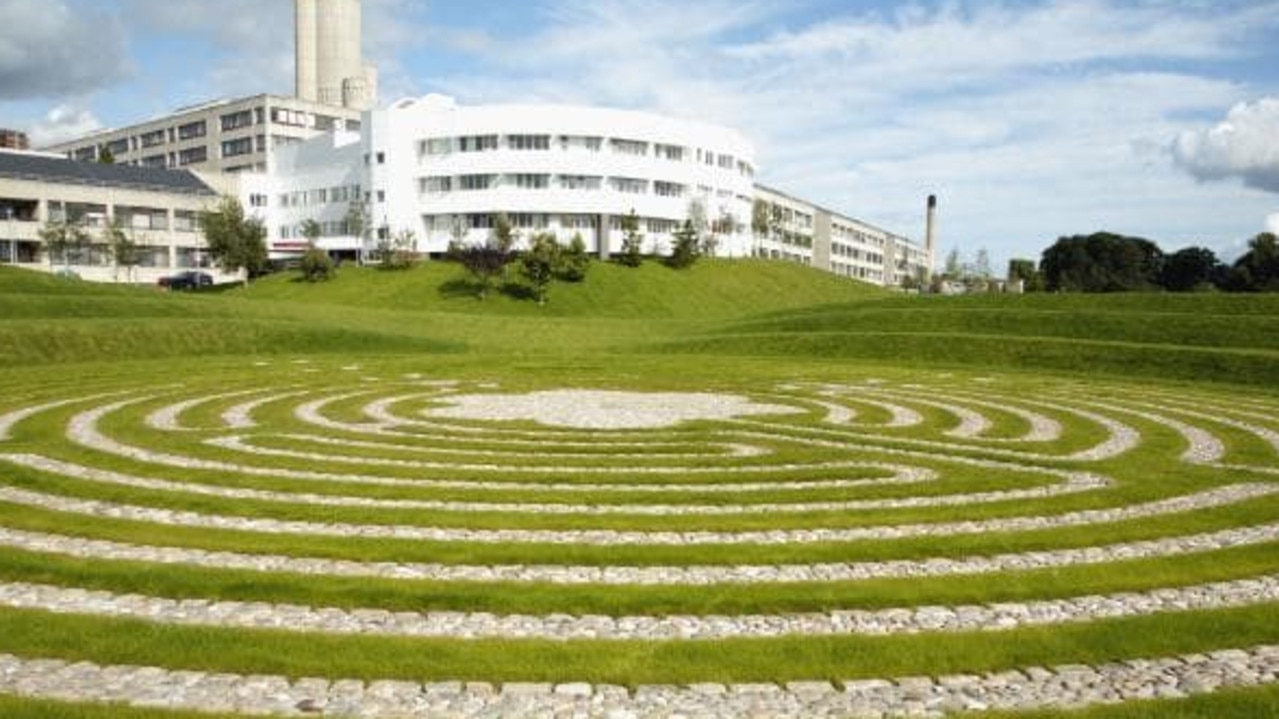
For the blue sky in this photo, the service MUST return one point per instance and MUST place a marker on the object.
(1030, 120)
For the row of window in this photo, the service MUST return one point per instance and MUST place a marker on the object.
(323, 196)
(541, 221)
(200, 128)
(131, 218)
(520, 143)
(339, 228)
(625, 185)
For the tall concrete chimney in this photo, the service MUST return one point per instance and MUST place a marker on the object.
(330, 64)
(930, 233)
(305, 24)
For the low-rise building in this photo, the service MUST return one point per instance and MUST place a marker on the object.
(157, 209)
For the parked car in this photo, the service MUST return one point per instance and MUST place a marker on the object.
(189, 280)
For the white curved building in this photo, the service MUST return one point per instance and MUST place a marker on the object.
(444, 170)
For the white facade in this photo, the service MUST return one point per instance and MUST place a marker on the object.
(443, 171)
(318, 180)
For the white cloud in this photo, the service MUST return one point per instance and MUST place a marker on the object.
(63, 123)
(1245, 145)
(49, 48)
(252, 43)
(1272, 223)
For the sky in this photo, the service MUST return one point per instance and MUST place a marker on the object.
(1029, 120)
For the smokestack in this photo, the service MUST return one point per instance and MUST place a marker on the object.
(930, 232)
(306, 24)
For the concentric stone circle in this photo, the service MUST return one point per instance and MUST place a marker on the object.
(755, 485)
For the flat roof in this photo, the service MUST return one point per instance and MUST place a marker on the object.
(42, 168)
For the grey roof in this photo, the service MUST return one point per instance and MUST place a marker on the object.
(20, 166)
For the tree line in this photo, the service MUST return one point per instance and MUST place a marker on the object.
(1108, 262)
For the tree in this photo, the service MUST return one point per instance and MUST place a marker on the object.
(312, 231)
(316, 265)
(981, 265)
(504, 236)
(1102, 262)
(236, 242)
(540, 263)
(633, 242)
(105, 156)
(1258, 269)
(62, 238)
(759, 218)
(954, 265)
(1191, 269)
(122, 247)
(1027, 273)
(685, 251)
(576, 261)
(485, 263)
(357, 223)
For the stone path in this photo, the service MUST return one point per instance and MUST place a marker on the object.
(1024, 689)
(561, 627)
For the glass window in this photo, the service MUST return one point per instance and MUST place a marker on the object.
(192, 130)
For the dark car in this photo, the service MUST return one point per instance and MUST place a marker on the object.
(189, 280)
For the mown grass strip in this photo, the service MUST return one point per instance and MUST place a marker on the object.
(113, 641)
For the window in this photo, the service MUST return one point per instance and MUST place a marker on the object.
(236, 120)
(527, 221)
(581, 182)
(437, 184)
(119, 147)
(628, 186)
(480, 222)
(324, 123)
(381, 195)
(470, 183)
(193, 156)
(155, 161)
(257, 200)
(85, 154)
(192, 130)
(381, 158)
(438, 146)
(317, 197)
(726, 162)
(184, 221)
(529, 142)
(288, 117)
(668, 189)
(630, 147)
(674, 153)
(577, 222)
(477, 143)
(532, 182)
(153, 139)
(235, 148)
(662, 227)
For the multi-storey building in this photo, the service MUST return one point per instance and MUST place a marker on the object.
(224, 136)
(14, 140)
(157, 209)
(444, 170)
(794, 230)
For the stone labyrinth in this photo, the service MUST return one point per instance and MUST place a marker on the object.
(609, 525)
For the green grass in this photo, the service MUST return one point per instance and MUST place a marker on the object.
(738, 327)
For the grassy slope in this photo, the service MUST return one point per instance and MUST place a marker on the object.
(738, 309)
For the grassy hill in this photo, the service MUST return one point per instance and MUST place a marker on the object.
(719, 308)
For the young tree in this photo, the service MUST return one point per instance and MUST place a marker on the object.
(504, 236)
(105, 156)
(576, 260)
(357, 224)
(236, 241)
(954, 265)
(981, 265)
(540, 263)
(316, 265)
(760, 217)
(312, 231)
(123, 249)
(62, 239)
(485, 263)
(633, 242)
(685, 250)
(404, 250)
